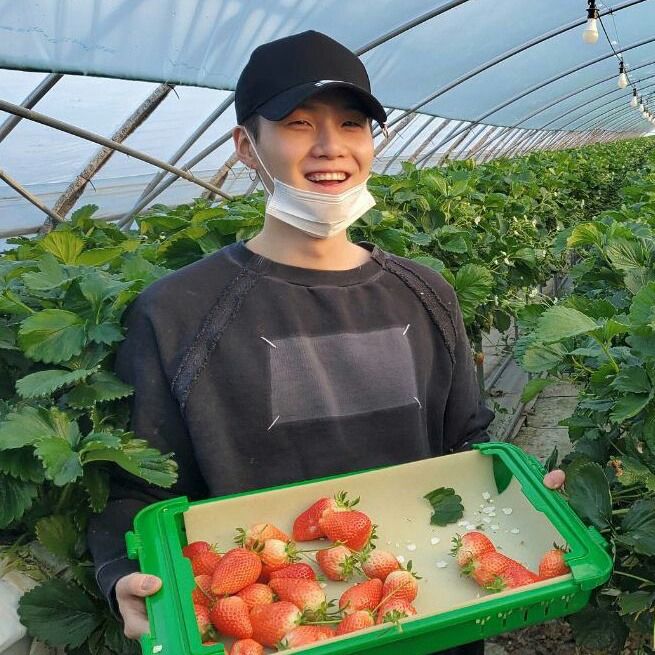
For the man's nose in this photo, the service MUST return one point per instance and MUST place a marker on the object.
(329, 142)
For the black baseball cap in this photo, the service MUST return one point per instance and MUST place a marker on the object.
(282, 74)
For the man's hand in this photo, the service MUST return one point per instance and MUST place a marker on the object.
(130, 593)
(555, 479)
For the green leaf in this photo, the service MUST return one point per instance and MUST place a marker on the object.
(22, 464)
(589, 494)
(473, 285)
(83, 213)
(599, 630)
(107, 333)
(502, 474)
(44, 383)
(551, 462)
(65, 246)
(30, 424)
(630, 471)
(99, 256)
(587, 234)
(559, 322)
(539, 357)
(635, 602)
(534, 387)
(431, 262)
(60, 613)
(58, 534)
(100, 387)
(391, 239)
(51, 275)
(447, 506)
(16, 498)
(52, 335)
(629, 406)
(642, 305)
(62, 464)
(632, 379)
(138, 458)
(421, 239)
(638, 527)
(96, 482)
(97, 287)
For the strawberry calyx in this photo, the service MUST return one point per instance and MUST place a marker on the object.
(342, 501)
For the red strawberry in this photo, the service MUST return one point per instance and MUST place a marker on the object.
(298, 570)
(470, 546)
(306, 634)
(230, 617)
(306, 527)
(256, 594)
(552, 563)
(205, 563)
(259, 532)
(337, 562)
(349, 527)
(304, 594)
(488, 567)
(271, 622)
(394, 609)
(195, 548)
(401, 584)
(362, 596)
(513, 576)
(379, 563)
(202, 594)
(204, 622)
(276, 554)
(237, 569)
(355, 621)
(246, 647)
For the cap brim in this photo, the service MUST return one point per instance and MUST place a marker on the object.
(284, 103)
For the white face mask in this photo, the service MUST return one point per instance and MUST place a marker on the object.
(321, 215)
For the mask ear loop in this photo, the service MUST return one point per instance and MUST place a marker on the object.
(259, 159)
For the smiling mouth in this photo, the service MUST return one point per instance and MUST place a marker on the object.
(328, 178)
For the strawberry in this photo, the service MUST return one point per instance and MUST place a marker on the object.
(513, 576)
(230, 617)
(347, 526)
(304, 594)
(205, 563)
(202, 595)
(362, 596)
(298, 570)
(470, 546)
(237, 569)
(355, 621)
(276, 554)
(306, 526)
(394, 609)
(271, 622)
(401, 584)
(204, 622)
(379, 563)
(256, 594)
(306, 634)
(246, 647)
(552, 563)
(259, 533)
(195, 548)
(337, 562)
(488, 567)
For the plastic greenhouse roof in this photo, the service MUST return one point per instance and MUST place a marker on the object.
(507, 63)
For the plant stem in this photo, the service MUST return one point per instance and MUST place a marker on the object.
(635, 577)
(64, 498)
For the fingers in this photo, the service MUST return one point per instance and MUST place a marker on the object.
(130, 593)
(555, 479)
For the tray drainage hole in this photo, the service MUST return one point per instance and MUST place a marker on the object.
(525, 616)
(547, 609)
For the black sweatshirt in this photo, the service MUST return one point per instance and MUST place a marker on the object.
(256, 373)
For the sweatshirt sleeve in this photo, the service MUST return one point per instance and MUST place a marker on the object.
(156, 417)
(466, 417)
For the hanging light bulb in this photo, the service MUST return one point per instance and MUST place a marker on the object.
(623, 78)
(633, 101)
(590, 33)
(641, 105)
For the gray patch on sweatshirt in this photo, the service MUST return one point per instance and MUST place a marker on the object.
(341, 375)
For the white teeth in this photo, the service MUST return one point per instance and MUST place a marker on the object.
(320, 177)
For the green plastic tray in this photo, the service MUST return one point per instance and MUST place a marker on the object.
(451, 609)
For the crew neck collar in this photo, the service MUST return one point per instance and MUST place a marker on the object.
(310, 276)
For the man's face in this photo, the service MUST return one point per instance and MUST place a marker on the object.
(324, 145)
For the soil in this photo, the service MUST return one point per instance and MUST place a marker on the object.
(545, 639)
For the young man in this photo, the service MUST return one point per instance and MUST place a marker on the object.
(297, 354)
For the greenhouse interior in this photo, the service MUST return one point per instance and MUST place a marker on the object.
(450, 208)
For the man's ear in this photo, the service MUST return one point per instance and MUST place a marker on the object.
(243, 148)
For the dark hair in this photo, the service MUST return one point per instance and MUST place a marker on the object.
(252, 125)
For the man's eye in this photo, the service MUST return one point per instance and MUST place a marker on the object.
(299, 122)
(353, 123)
